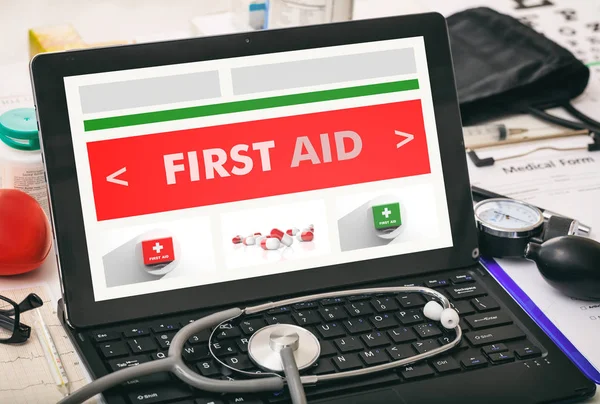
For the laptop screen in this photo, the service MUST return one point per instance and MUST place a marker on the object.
(215, 171)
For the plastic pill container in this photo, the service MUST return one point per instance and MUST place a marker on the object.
(21, 165)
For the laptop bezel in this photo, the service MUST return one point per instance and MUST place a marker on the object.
(49, 70)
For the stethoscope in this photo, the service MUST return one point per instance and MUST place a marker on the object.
(276, 349)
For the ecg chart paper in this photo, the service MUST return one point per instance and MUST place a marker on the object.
(25, 376)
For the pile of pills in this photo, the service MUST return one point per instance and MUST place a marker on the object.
(277, 238)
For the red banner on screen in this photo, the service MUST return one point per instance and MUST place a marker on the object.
(227, 163)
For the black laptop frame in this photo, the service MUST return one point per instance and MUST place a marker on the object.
(48, 72)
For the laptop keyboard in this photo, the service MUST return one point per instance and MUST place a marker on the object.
(355, 332)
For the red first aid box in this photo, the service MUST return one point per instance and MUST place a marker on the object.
(158, 251)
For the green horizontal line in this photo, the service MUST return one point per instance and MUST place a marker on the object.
(248, 105)
(593, 63)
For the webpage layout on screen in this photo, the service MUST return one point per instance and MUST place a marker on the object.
(215, 171)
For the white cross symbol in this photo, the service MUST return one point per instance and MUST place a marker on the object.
(157, 247)
(386, 212)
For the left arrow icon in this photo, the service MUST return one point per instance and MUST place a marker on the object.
(113, 177)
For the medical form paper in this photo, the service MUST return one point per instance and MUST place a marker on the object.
(567, 183)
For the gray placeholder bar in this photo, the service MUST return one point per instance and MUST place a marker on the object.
(149, 92)
(329, 70)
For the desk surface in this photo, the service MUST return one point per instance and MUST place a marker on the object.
(126, 19)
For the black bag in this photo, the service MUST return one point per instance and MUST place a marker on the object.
(503, 67)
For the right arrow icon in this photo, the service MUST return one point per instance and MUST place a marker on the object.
(407, 138)
(113, 177)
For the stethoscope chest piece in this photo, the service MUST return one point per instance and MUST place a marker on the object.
(265, 345)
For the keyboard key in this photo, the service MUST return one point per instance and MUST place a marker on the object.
(150, 380)
(158, 355)
(478, 321)
(462, 278)
(385, 304)
(373, 357)
(528, 351)
(398, 352)
(280, 319)
(487, 337)
(416, 371)
(199, 338)
(332, 313)
(136, 332)
(501, 357)
(427, 330)
(465, 291)
(436, 283)
(375, 339)
(195, 353)
(485, 303)
(160, 393)
(118, 364)
(347, 362)
(323, 366)
(494, 348)
(463, 307)
(305, 305)
(425, 346)
(357, 325)
(331, 330)
(242, 344)
(244, 399)
(357, 298)
(359, 309)
(349, 344)
(252, 325)
(409, 317)
(333, 301)
(327, 348)
(446, 364)
(409, 300)
(402, 334)
(113, 349)
(240, 362)
(279, 310)
(446, 339)
(162, 327)
(143, 344)
(472, 362)
(105, 336)
(208, 401)
(227, 333)
(306, 317)
(164, 339)
(383, 321)
(208, 369)
(224, 348)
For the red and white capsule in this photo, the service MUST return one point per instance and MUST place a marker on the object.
(249, 240)
(293, 231)
(270, 243)
(285, 238)
(311, 227)
(237, 240)
(305, 235)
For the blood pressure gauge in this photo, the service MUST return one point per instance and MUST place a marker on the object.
(506, 226)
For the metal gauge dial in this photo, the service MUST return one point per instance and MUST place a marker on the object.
(506, 226)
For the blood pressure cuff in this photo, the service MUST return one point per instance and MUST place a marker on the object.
(503, 67)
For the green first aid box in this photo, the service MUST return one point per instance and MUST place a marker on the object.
(386, 216)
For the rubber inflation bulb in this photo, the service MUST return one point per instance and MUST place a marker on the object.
(571, 264)
(433, 310)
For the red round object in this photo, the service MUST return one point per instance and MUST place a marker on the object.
(277, 234)
(306, 236)
(25, 233)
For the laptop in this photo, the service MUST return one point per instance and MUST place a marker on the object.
(191, 176)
